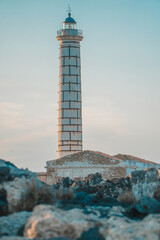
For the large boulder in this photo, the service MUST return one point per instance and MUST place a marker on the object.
(21, 189)
(25, 193)
(49, 222)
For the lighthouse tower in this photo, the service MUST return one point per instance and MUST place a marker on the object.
(70, 102)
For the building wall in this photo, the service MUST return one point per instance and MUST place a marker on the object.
(75, 170)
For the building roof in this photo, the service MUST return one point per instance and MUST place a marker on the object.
(94, 158)
(125, 157)
(69, 19)
(87, 157)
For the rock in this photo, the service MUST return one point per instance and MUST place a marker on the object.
(9, 171)
(94, 179)
(143, 207)
(49, 222)
(124, 184)
(11, 225)
(144, 183)
(64, 183)
(92, 233)
(3, 202)
(107, 190)
(137, 176)
(123, 228)
(4, 172)
(156, 194)
(25, 193)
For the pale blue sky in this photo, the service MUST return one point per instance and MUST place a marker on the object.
(120, 57)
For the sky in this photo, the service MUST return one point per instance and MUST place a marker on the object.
(120, 74)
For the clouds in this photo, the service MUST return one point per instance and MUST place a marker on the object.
(17, 127)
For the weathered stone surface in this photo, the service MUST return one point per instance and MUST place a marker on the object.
(25, 193)
(48, 221)
(3, 202)
(125, 229)
(144, 183)
(13, 224)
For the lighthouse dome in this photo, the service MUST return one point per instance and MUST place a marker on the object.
(69, 19)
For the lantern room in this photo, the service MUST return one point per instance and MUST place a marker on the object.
(69, 23)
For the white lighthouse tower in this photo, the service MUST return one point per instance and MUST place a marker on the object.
(70, 102)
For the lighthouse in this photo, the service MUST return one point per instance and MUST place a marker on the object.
(70, 99)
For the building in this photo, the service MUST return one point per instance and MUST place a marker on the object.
(70, 102)
(79, 165)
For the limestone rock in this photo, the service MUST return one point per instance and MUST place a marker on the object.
(49, 222)
(127, 229)
(11, 225)
(24, 193)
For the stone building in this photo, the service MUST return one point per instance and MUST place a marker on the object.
(77, 166)
(70, 104)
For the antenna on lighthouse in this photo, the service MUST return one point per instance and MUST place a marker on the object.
(69, 10)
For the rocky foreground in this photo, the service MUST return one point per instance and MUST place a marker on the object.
(93, 209)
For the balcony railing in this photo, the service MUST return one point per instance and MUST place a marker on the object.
(69, 32)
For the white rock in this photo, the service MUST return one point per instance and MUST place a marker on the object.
(48, 221)
(18, 188)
